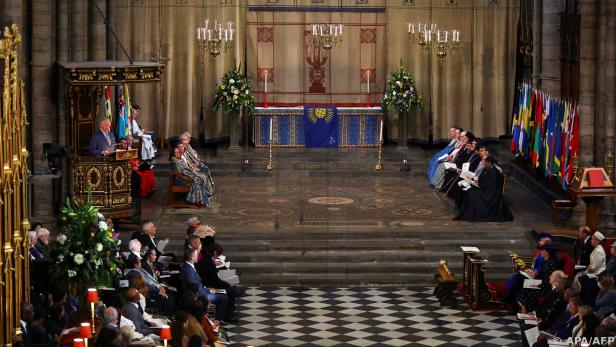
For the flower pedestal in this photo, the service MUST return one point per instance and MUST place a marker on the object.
(402, 131)
(235, 130)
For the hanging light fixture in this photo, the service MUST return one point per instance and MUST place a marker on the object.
(326, 35)
(215, 38)
(433, 39)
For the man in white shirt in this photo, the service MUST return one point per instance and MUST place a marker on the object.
(148, 151)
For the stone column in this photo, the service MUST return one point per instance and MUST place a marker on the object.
(79, 30)
(97, 40)
(43, 110)
(588, 80)
(548, 64)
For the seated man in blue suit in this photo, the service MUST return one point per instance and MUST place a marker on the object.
(103, 141)
(189, 275)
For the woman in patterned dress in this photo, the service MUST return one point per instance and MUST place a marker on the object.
(202, 188)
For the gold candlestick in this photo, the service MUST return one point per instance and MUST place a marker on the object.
(270, 164)
(379, 165)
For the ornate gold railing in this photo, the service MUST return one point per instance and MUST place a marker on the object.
(14, 278)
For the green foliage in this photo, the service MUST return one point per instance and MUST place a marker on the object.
(84, 253)
(400, 93)
(234, 92)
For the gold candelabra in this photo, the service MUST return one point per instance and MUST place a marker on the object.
(326, 36)
(215, 38)
(434, 40)
(379, 164)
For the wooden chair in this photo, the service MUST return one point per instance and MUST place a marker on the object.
(172, 200)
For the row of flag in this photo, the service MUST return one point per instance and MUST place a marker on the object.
(545, 133)
(124, 109)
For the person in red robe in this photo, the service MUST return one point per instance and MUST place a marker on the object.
(147, 182)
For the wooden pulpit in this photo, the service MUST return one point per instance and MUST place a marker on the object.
(592, 185)
(108, 180)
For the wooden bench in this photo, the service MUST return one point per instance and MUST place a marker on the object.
(172, 200)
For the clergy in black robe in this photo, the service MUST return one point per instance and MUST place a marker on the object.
(469, 155)
(456, 192)
(486, 202)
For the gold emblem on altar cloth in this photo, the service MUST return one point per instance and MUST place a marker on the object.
(320, 113)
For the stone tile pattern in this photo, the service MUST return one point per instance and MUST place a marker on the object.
(361, 316)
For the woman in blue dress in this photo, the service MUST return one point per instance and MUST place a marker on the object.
(454, 133)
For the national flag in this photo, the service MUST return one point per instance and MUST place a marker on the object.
(537, 131)
(574, 144)
(555, 168)
(122, 116)
(515, 127)
(108, 112)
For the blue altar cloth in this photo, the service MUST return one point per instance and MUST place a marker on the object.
(321, 126)
(357, 126)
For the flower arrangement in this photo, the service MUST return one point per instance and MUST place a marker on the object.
(84, 253)
(401, 93)
(234, 92)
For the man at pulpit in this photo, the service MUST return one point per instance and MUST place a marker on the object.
(103, 141)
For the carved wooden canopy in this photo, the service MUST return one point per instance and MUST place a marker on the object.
(111, 72)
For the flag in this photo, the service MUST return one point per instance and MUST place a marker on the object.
(564, 143)
(108, 112)
(549, 137)
(534, 158)
(127, 110)
(555, 168)
(122, 116)
(515, 127)
(574, 144)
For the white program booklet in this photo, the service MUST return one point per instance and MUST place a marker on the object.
(466, 166)
(469, 249)
(531, 335)
(525, 274)
(162, 244)
(233, 280)
(450, 166)
(532, 284)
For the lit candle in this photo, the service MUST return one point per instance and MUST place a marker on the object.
(409, 23)
(314, 30)
(207, 23)
(368, 72)
(271, 129)
(321, 27)
(381, 132)
(209, 35)
(199, 34)
(340, 27)
(266, 80)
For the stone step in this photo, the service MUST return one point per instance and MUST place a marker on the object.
(350, 279)
(380, 256)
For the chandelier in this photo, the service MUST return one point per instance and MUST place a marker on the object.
(326, 35)
(216, 38)
(432, 39)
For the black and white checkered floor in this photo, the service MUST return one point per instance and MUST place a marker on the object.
(358, 316)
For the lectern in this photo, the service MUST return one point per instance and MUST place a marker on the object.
(108, 180)
(592, 185)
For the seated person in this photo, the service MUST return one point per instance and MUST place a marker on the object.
(563, 328)
(151, 266)
(469, 156)
(438, 177)
(202, 187)
(134, 313)
(527, 297)
(485, 202)
(588, 323)
(610, 267)
(156, 293)
(144, 173)
(193, 157)
(454, 133)
(109, 329)
(103, 142)
(190, 276)
(148, 151)
(605, 303)
(583, 246)
(209, 273)
(586, 281)
(456, 191)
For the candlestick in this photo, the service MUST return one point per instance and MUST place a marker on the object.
(381, 132)
(265, 72)
(368, 72)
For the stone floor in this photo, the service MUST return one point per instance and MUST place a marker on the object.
(364, 316)
(325, 217)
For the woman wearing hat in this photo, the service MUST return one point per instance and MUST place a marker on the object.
(586, 282)
(527, 297)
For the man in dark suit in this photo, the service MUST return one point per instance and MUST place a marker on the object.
(109, 330)
(583, 246)
(103, 141)
(189, 275)
(134, 312)
(563, 328)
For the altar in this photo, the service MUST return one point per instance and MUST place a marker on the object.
(357, 126)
